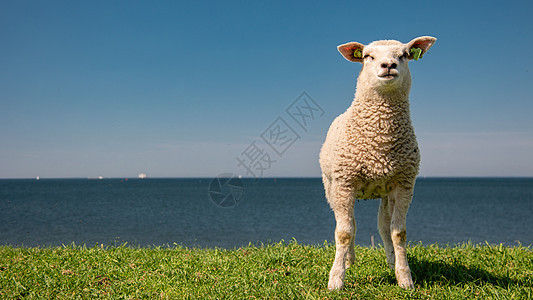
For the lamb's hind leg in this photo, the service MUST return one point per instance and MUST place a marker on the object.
(350, 256)
(384, 226)
(401, 198)
(342, 205)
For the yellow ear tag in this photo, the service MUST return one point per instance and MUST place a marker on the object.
(416, 53)
(357, 53)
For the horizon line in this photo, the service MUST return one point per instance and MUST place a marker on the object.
(246, 178)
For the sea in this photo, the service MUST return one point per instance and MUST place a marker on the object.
(232, 212)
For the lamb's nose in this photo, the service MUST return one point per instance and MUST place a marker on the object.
(389, 65)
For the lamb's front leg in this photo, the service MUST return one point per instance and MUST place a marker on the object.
(344, 234)
(343, 240)
(401, 198)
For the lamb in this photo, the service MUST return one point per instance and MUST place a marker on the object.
(371, 152)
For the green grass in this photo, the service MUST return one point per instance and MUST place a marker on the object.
(277, 271)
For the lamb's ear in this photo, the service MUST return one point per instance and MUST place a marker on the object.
(419, 46)
(352, 51)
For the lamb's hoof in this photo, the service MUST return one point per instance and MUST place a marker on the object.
(335, 283)
(406, 283)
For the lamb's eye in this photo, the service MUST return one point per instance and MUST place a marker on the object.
(368, 57)
(405, 55)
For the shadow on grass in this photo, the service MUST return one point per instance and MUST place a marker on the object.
(454, 273)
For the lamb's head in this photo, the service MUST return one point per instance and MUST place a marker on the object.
(385, 63)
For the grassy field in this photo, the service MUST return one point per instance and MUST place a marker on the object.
(277, 271)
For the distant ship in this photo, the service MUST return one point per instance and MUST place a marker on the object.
(142, 175)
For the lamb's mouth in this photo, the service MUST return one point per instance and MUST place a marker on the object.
(388, 76)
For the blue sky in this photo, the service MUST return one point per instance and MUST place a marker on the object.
(182, 89)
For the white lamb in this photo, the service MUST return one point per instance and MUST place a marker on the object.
(371, 152)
